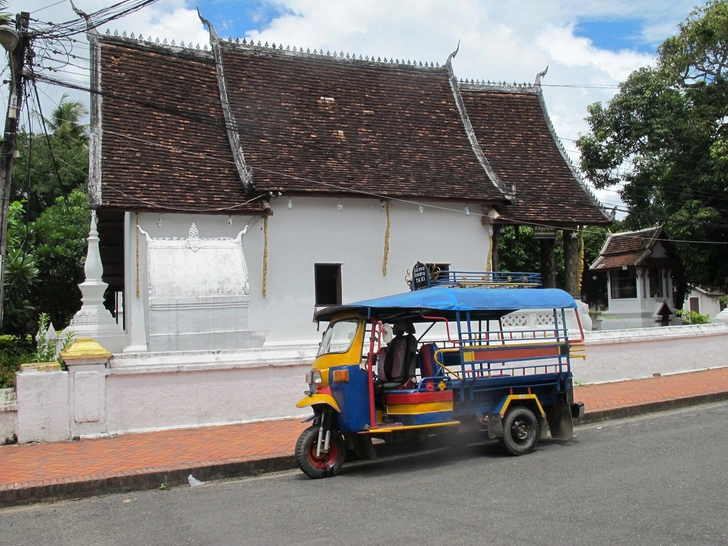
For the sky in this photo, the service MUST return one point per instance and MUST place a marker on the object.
(589, 46)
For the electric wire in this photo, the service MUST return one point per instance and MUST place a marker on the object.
(111, 14)
(49, 6)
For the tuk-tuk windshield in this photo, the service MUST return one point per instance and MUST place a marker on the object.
(338, 337)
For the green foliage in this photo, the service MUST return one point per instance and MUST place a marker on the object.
(518, 253)
(522, 253)
(665, 136)
(698, 52)
(35, 179)
(60, 238)
(5, 17)
(49, 222)
(45, 264)
(21, 276)
(46, 348)
(46, 345)
(691, 317)
(13, 353)
(593, 286)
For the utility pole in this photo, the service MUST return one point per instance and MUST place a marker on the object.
(7, 156)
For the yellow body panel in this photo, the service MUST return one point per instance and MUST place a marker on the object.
(352, 356)
(513, 397)
(424, 407)
(411, 427)
(318, 399)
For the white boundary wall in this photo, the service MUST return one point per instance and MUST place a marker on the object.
(137, 392)
(8, 415)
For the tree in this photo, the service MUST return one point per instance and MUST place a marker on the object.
(52, 167)
(60, 244)
(65, 121)
(47, 247)
(664, 136)
(517, 253)
(21, 275)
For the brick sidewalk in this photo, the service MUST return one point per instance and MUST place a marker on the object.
(141, 461)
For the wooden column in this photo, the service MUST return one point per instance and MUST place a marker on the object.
(495, 265)
(571, 263)
(548, 263)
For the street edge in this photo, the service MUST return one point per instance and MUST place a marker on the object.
(168, 477)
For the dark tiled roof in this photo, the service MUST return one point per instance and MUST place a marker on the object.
(326, 124)
(164, 139)
(619, 260)
(319, 124)
(514, 133)
(634, 248)
(389, 129)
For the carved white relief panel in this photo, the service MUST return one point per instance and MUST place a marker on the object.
(194, 267)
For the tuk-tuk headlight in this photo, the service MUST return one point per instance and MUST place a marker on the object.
(314, 379)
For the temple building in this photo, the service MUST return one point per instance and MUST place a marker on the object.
(639, 267)
(239, 188)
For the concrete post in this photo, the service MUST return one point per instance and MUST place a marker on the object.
(42, 402)
(86, 361)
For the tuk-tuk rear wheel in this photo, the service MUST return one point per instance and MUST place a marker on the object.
(520, 431)
(324, 465)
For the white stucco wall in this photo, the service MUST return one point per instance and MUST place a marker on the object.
(629, 354)
(312, 231)
(43, 406)
(188, 397)
(708, 305)
(8, 415)
(638, 312)
(162, 391)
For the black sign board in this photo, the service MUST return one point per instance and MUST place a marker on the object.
(420, 276)
(544, 232)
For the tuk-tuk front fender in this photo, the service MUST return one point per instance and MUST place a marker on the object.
(318, 398)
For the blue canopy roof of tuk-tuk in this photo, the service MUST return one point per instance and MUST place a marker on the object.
(482, 303)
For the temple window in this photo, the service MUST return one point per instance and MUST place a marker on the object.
(327, 284)
(623, 284)
(654, 283)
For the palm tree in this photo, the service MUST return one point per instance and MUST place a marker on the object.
(65, 118)
(5, 17)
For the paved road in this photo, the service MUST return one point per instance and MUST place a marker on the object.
(659, 479)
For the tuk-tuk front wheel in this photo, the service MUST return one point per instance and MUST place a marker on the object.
(317, 463)
(520, 431)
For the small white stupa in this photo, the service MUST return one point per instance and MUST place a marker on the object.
(93, 319)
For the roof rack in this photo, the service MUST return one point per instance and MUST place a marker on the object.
(481, 279)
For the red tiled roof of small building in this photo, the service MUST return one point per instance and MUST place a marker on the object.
(634, 248)
(514, 132)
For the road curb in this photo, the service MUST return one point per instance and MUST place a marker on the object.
(138, 480)
(175, 476)
(650, 407)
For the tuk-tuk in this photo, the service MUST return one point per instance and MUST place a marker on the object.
(472, 367)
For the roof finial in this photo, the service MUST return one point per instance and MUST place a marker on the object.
(452, 55)
(91, 29)
(541, 75)
(213, 35)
